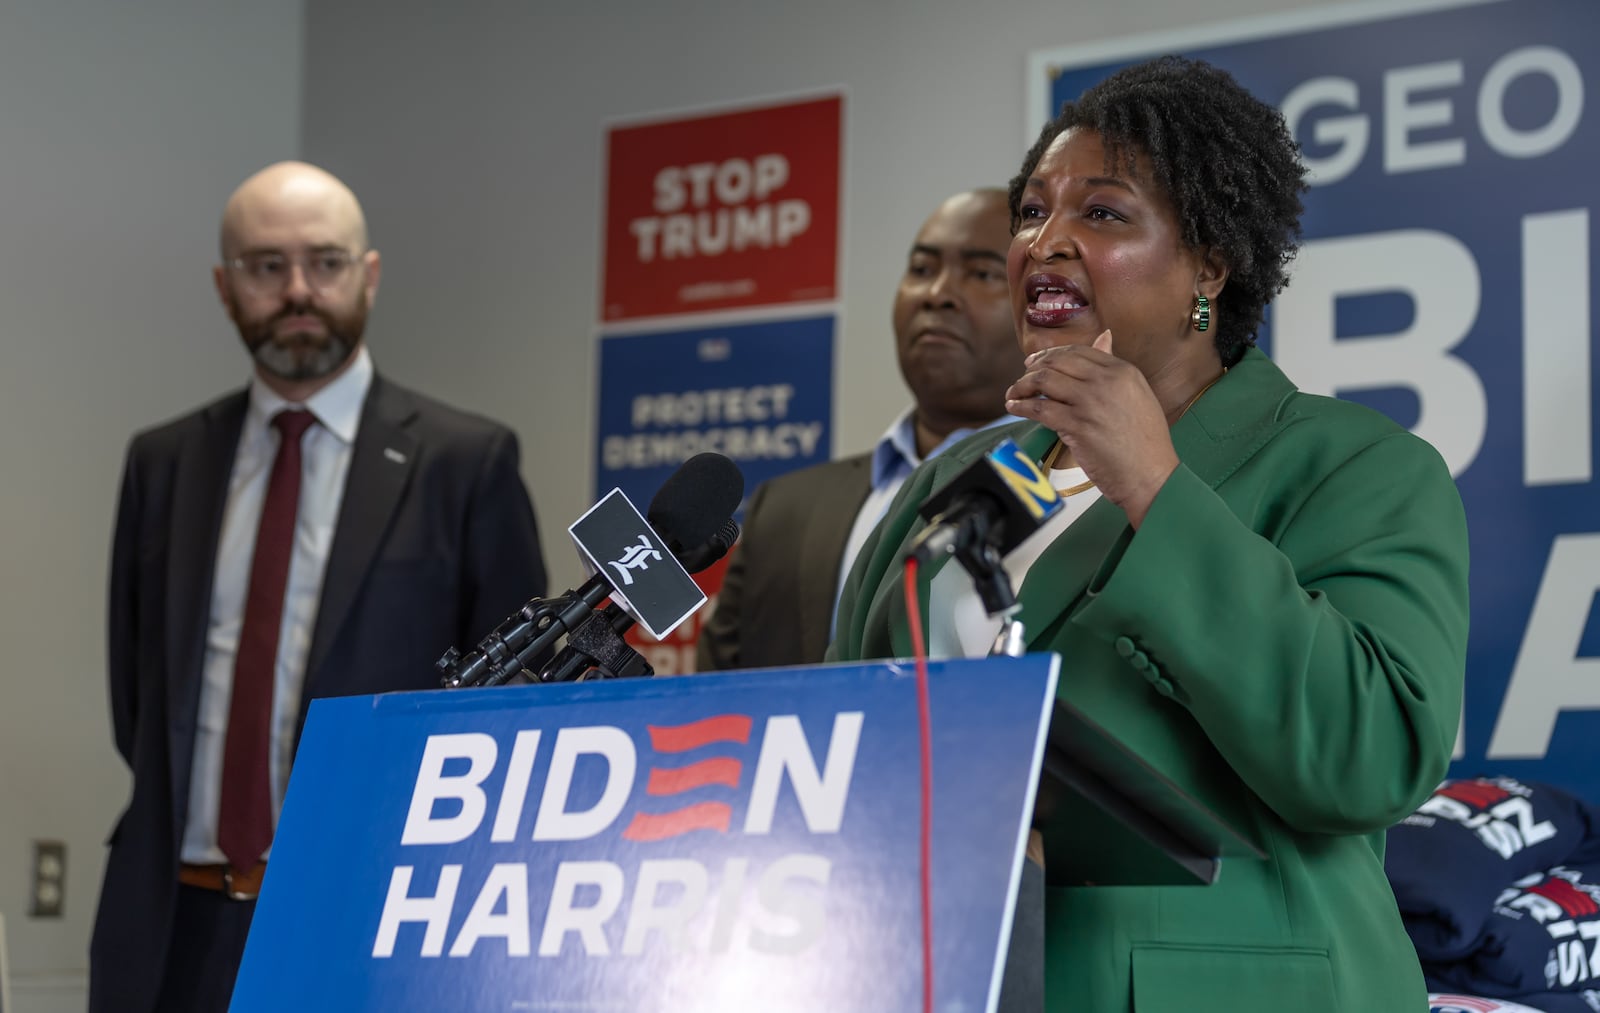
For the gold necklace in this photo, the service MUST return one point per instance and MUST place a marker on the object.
(1048, 464)
(1049, 459)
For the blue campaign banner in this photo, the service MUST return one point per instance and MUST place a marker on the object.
(1446, 279)
(760, 393)
(731, 841)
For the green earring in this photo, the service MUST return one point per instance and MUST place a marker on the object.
(1201, 316)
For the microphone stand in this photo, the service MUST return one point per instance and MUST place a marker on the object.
(596, 650)
(594, 638)
(972, 543)
(522, 639)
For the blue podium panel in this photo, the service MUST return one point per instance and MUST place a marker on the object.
(715, 842)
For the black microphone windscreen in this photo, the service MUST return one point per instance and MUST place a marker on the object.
(694, 502)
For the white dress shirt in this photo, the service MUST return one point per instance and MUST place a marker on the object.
(325, 462)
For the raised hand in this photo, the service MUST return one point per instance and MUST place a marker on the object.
(1106, 415)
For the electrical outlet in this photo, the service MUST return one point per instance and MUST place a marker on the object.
(49, 879)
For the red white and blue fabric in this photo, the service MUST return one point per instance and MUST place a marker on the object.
(1498, 883)
(1449, 861)
(1444, 1002)
(1543, 935)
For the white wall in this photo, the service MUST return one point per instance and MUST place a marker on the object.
(472, 132)
(123, 126)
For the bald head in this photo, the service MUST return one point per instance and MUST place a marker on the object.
(296, 275)
(292, 200)
(977, 202)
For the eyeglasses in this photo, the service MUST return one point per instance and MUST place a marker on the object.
(269, 272)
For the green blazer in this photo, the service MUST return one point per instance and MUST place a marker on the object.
(1285, 636)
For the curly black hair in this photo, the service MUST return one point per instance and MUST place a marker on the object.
(1225, 158)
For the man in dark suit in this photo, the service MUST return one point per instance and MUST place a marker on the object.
(324, 532)
(958, 353)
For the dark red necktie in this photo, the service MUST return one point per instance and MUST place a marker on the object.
(244, 820)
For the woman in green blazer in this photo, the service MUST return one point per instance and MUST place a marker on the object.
(1263, 592)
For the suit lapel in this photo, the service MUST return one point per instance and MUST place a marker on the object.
(1061, 574)
(1235, 419)
(380, 466)
(890, 599)
(199, 495)
(1217, 435)
(823, 542)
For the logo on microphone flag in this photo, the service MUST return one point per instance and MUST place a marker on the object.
(615, 539)
(1024, 478)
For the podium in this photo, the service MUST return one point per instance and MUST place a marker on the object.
(711, 842)
(1108, 818)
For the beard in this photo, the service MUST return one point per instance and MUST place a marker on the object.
(298, 355)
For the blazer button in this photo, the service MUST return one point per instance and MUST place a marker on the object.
(1125, 647)
(1140, 661)
(1164, 687)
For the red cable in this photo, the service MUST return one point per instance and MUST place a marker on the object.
(919, 650)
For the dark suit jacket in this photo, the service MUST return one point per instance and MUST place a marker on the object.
(776, 602)
(1285, 636)
(435, 546)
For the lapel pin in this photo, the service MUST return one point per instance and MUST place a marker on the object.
(394, 455)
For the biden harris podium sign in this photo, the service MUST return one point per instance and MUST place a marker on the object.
(718, 842)
(1447, 278)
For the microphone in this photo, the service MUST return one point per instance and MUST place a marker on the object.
(984, 512)
(598, 643)
(690, 513)
(679, 516)
(695, 506)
